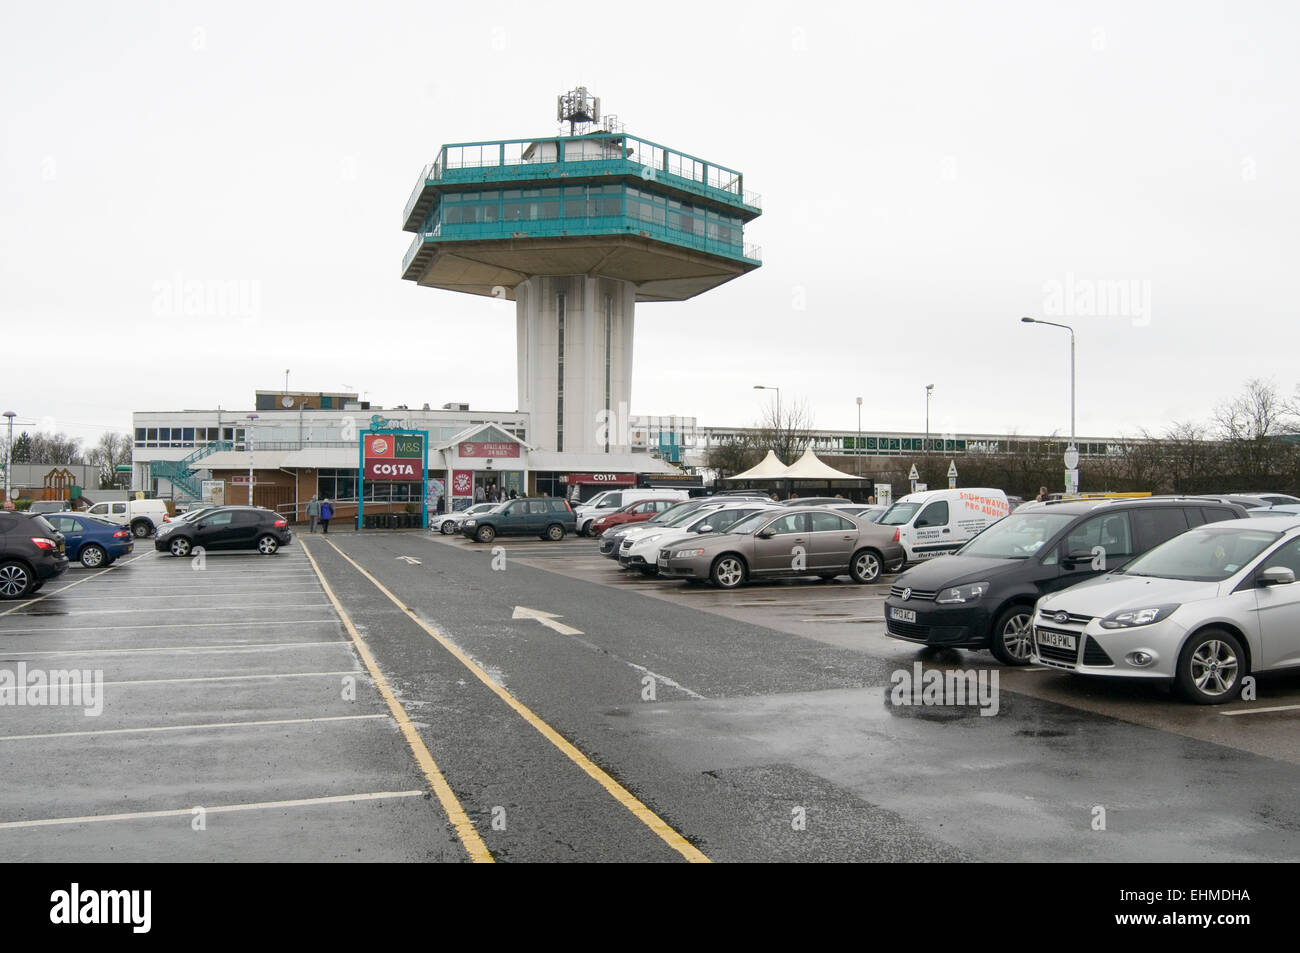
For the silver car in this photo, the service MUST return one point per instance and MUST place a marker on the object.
(1203, 611)
(448, 523)
(805, 541)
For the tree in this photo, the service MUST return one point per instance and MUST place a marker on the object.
(734, 455)
(1250, 425)
(786, 430)
(22, 452)
(112, 450)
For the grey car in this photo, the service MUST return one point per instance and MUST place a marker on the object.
(805, 541)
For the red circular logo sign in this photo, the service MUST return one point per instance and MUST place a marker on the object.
(379, 446)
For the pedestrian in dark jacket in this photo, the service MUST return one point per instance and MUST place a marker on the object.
(326, 514)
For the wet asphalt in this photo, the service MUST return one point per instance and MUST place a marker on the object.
(758, 725)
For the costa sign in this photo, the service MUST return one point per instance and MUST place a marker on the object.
(393, 470)
(462, 483)
(499, 448)
(614, 479)
(393, 456)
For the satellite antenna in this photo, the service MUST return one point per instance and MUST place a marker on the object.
(577, 108)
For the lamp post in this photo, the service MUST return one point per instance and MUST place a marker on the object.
(248, 442)
(929, 389)
(9, 458)
(778, 404)
(1072, 452)
(858, 471)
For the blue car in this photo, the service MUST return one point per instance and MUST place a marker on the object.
(93, 541)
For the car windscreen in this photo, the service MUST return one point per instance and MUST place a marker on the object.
(898, 514)
(45, 525)
(677, 516)
(98, 521)
(1017, 536)
(1203, 555)
(751, 523)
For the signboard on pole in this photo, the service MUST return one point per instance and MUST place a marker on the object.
(952, 474)
(885, 494)
(1071, 481)
(392, 456)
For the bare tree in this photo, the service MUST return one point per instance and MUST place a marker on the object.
(734, 455)
(112, 450)
(789, 433)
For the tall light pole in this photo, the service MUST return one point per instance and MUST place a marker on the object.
(248, 442)
(778, 403)
(929, 389)
(859, 446)
(1072, 452)
(9, 457)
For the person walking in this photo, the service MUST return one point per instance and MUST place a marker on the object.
(326, 514)
(313, 511)
(479, 495)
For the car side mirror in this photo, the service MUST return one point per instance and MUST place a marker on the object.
(1276, 576)
(201, 526)
(1078, 556)
(765, 534)
(705, 529)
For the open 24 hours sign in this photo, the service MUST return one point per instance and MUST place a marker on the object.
(394, 456)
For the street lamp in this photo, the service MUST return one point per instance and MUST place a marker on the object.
(929, 389)
(1073, 451)
(859, 446)
(248, 442)
(778, 404)
(9, 457)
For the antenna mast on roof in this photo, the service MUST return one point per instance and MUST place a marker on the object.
(578, 109)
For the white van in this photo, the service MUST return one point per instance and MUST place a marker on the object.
(939, 522)
(143, 516)
(610, 501)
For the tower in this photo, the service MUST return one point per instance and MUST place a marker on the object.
(576, 229)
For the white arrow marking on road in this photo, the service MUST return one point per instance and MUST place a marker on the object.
(410, 560)
(547, 619)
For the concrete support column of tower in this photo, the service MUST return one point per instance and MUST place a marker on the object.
(577, 401)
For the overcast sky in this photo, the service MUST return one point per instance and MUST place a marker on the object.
(929, 173)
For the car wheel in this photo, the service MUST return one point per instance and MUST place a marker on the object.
(865, 566)
(142, 528)
(485, 534)
(267, 545)
(555, 532)
(180, 546)
(1012, 634)
(15, 581)
(728, 572)
(92, 556)
(447, 527)
(1211, 667)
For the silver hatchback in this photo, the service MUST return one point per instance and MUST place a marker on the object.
(1203, 611)
(806, 541)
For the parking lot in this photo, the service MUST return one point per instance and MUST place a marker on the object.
(410, 696)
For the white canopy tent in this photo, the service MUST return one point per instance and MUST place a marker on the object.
(809, 467)
(769, 468)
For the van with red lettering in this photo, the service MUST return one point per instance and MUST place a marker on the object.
(939, 522)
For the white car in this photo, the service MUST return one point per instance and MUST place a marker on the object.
(448, 523)
(1203, 610)
(641, 552)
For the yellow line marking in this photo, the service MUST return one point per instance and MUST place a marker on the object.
(469, 837)
(621, 794)
(55, 592)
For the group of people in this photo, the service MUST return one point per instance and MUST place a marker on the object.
(320, 510)
(493, 494)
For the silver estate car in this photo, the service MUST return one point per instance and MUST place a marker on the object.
(1203, 611)
(806, 541)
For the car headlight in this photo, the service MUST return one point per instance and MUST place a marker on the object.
(687, 553)
(471, 522)
(968, 593)
(1131, 617)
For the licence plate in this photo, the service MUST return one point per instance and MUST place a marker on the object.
(1057, 640)
(902, 615)
(663, 563)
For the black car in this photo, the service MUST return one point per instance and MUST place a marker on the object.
(549, 517)
(982, 596)
(225, 527)
(31, 552)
